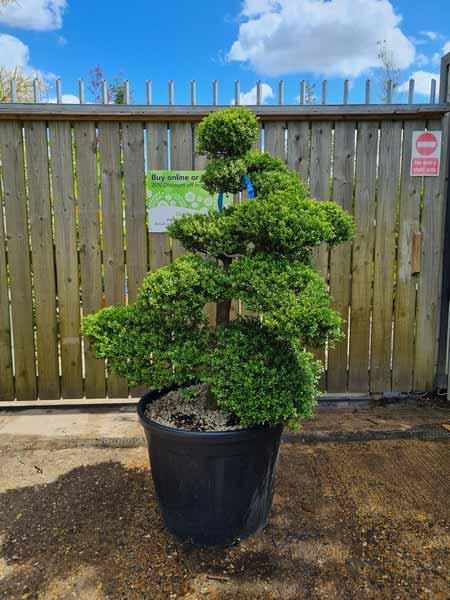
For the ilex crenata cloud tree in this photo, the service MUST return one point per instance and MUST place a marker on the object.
(258, 252)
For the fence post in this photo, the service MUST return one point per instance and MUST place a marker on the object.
(13, 89)
(367, 99)
(58, 91)
(237, 92)
(301, 98)
(324, 91)
(443, 374)
(444, 91)
(258, 92)
(443, 367)
(389, 92)
(281, 92)
(433, 92)
(35, 90)
(81, 91)
(346, 91)
(215, 92)
(411, 91)
(104, 92)
(127, 91)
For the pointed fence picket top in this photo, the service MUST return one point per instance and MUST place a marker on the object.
(215, 92)
(81, 91)
(390, 94)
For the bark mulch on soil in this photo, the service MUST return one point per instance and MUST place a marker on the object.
(366, 520)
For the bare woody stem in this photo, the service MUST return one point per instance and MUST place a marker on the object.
(223, 308)
(222, 318)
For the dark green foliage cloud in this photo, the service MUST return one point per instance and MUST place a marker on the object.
(227, 133)
(261, 379)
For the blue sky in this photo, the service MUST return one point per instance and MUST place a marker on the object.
(225, 40)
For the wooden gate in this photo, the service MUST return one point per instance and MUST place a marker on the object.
(74, 235)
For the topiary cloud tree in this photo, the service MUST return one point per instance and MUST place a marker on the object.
(258, 252)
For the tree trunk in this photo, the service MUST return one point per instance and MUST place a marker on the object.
(211, 401)
(223, 308)
(223, 312)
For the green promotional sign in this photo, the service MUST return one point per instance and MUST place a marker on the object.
(171, 194)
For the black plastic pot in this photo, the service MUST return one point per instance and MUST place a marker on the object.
(213, 488)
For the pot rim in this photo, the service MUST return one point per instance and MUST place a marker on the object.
(232, 435)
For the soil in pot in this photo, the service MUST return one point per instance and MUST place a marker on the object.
(187, 408)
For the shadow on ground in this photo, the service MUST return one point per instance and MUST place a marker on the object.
(95, 532)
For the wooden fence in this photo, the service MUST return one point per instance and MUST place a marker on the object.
(74, 234)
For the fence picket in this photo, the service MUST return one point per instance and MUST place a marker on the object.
(181, 157)
(18, 258)
(6, 363)
(90, 249)
(66, 258)
(430, 276)
(157, 159)
(361, 297)
(320, 176)
(405, 287)
(136, 235)
(112, 210)
(340, 257)
(275, 138)
(320, 186)
(298, 147)
(134, 185)
(385, 242)
(43, 259)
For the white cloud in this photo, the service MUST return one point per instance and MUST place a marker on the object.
(249, 98)
(436, 59)
(256, 7)
(422, 60)
(331, 37)
(13, 52)
(41, 15)
(418, 41)
(422, 83)
(432, 35)
(446, 47)
(61, 40)
(66, 99)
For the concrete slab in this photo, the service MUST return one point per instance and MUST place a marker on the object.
(73, 423)
(119, 427)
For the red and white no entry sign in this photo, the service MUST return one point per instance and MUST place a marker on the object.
(426, 153)
(426, 143)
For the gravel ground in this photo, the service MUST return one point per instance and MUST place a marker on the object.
(350, 521)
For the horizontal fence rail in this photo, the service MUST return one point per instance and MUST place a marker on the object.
(74, 234)
(143, 113)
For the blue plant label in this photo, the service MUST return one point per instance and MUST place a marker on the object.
(249, 185)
